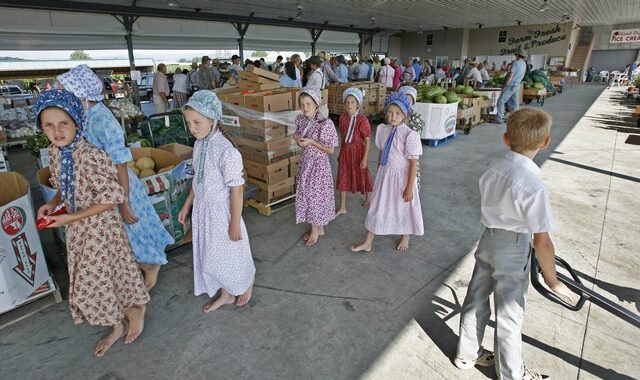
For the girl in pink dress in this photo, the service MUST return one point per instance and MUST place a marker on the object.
(395, 207)
(315, 200)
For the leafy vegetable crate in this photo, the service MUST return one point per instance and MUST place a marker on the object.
(166, 128)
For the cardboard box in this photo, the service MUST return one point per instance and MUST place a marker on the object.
(236, 98)
(269, 193)
(246, 85)
(324, 97)
(253, 77)
(273, 173)
(23, 268)
(294, 162)
(440, 119)
(182, 151)
(269, 101)
(262, 155)
(261, 73)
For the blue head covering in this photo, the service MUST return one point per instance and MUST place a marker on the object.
(358, 95)
(83, 82)
(207, 104)
(68, 102)
(409, 90)
(403, 102)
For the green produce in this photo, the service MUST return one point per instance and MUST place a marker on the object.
(451, 97)
(468, 90)
(440, 99)
(460, 88)
(434, 92)
(37, 142)
(462, 106)
(538, 86)
(485, 97)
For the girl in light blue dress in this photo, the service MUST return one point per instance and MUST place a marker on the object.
(147, 235)
(288, 77)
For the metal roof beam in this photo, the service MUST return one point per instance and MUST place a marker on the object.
(123, 10)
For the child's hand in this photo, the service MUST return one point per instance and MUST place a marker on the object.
(45, 210)
(235, 234)
(60, 220)
(182, 215)
(305, 142)
(127, 213)
(564, 293)
(363, 164)
(408, 194)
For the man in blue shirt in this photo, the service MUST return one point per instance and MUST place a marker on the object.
(511, 91)
(417, 67)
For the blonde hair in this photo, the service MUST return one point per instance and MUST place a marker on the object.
(527, 129)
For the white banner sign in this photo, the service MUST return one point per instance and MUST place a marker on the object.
(622, 36)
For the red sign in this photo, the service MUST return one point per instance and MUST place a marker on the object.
(12, 220)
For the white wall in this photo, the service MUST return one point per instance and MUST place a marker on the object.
(602, 35)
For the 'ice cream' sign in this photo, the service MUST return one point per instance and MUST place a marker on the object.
(622, 36)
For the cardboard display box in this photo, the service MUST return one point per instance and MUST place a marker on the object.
(274, 173)
(255, 86)
(256, 78)
(294, 162)
(264, 156)
(269, 101)
(182, 151)
(23, 268)
(269, 193)
(262, 73)
(440, 119)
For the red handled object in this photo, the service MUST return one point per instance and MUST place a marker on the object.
(43, 223)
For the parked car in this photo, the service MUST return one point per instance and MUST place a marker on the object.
(145, 87)
(111, 88)
(14, 92)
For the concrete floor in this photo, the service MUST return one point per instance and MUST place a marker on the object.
(323, 313)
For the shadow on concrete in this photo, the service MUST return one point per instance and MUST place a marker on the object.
(596, 170)
(624, 294)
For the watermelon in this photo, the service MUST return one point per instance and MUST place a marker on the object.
(459, 89)
(463, 106)
(485, 97)
(451, 96)
(468, 90)
(440, 99)
(433, 92)
(538, 86)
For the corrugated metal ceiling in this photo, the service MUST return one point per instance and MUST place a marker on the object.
(410, 15)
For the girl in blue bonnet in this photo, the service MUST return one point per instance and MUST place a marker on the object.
(222, 261)
(146, 233)
(105, 285)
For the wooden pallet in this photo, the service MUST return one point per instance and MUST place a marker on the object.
(437, 143)
(268, 209)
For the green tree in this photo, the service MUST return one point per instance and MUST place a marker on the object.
(79, 55)
(259, 54)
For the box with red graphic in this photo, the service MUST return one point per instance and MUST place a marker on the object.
(22, 264)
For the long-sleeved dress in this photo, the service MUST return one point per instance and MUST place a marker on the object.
(389, 214)
(218, 262)
(148, 236)
(104, 278)
(315, 199)
(351, 177)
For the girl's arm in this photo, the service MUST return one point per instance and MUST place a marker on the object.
(182, 215)
(325, 149)
(365, 157)
(95, 209)
(413, 170)
(235, 232)
(48, 207)
(125, 207)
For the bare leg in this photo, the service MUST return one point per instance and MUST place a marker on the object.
(150, 273)
(104, 344)
(316, 231)
(367, 200)
(245, 297)
(215, 303)
(135, 317)
(403, 244)
(343, 204)
(366, 245)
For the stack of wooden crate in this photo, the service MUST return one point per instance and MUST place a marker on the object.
(374, 97)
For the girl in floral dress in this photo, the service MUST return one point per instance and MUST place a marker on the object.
(221, 253)
(105, 285)
(355, 133)
(315, 200)
(145, 231)
(414, 120)
(395, 207)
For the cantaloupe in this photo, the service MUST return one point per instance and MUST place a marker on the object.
(135, 170)
(131, 164)
(166, 169)
(147, 173)
(145, 163)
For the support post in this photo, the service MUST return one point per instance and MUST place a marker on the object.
(315, 34)
(242, 31)
(127, 22)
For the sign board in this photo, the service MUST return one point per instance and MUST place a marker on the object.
(622, 36)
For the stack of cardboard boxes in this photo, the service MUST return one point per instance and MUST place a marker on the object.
(261, 124)
(374, 97)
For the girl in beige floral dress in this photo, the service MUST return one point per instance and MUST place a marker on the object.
(105, 285)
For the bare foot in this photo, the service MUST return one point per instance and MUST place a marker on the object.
(104, 344)
(364, 247)
(215, 303)
(245, 297)
(135, 315)
(306, 236)
(403, 244)
(313, 238)
(341, 211)
(367, 201)
(150, 272)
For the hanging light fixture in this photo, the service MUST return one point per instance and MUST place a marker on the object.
(544, 7)
(420, 31)
(173, 3)
(299, 9)
(372, 21)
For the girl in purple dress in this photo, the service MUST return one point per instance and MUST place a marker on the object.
(318, 138)
(395, 207)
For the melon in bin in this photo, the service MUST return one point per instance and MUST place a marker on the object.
(460, 88)
(451, 97)
(468, 90)
(440, 99)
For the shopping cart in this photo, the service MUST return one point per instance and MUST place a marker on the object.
(575, 285)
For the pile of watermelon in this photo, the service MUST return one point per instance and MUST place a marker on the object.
(538, 79)
(436, 94)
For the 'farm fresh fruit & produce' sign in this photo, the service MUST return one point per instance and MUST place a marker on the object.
(534, 39)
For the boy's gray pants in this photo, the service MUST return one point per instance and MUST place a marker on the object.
(502, 267)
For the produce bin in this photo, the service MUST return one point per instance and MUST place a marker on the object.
(440, 119)
(166, 128)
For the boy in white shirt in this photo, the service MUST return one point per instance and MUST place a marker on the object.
(514, 205)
